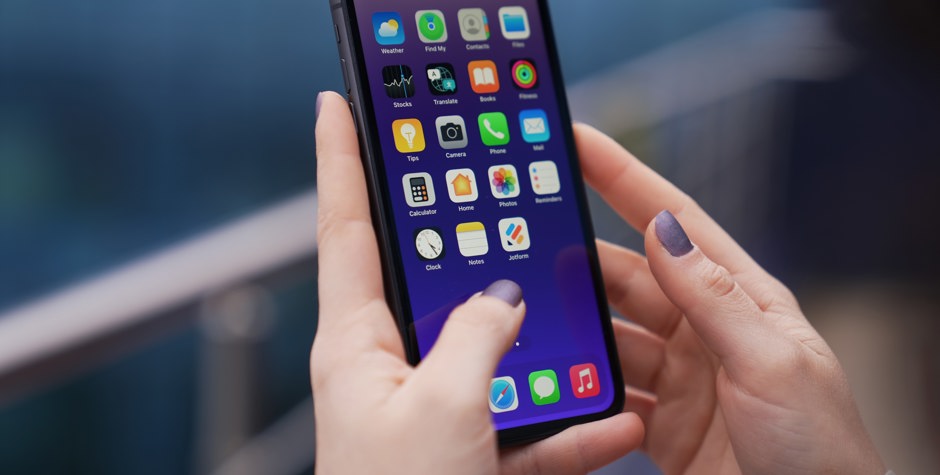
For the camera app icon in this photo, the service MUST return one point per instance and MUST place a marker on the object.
(451, 132)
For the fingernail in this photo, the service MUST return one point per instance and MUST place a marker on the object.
(505, 290)
(671, 235)
(319, 103)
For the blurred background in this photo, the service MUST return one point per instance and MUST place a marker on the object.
(157, 206)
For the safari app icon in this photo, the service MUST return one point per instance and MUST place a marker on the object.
(503, 396)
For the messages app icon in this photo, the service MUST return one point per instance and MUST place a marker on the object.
(388, 28)
(544, 387)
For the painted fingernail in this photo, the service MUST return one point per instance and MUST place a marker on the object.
(505, 290)
(319, 103)
(671, 235)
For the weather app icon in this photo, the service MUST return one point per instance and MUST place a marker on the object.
(388, 28)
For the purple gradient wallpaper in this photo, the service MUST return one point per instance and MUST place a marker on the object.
(462, 231)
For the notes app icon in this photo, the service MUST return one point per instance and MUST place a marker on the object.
(584, 381)
(471, 239)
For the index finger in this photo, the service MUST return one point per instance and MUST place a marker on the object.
(350, 270)
(638, 194)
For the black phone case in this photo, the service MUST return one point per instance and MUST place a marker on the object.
(360, 102)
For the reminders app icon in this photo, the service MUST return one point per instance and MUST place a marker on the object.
(388, 28)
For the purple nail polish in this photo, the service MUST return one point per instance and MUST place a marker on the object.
(671, 235)
(319, 103)
(505, 290)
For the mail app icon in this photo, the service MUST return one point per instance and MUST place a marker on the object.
(534, 123)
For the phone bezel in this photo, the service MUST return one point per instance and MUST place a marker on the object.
(351, 51)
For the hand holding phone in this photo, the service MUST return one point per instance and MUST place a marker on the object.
(370, 400)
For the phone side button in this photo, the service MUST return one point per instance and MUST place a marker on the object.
(336, 30)
(342, 65)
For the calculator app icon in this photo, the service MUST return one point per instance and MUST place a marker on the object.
(419, 190)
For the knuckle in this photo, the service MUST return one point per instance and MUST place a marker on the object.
(718, 281)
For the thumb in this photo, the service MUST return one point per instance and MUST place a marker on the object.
(474, 339)
(723, 315)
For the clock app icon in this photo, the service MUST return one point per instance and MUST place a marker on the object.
(429, 244)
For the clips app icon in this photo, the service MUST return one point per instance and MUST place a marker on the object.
(431, 27)
(388, 28)
(503, 395)
(524, 75)
(399, 81)
(441, 79)
(514, 234)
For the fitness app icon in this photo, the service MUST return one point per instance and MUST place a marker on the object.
(524, 74)
(431, 26)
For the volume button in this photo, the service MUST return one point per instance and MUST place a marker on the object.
(336, 30)
(342, 65)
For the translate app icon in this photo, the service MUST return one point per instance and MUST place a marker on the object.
(544, 387)
(388, 28)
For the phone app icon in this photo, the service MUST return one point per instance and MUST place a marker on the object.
(544, 387)
(409, 135)
(388, 28)
(534, 124)
(399, 81)
(419, 190)
(429, 243)
(504, 181)
(584, 381)
(451, 132)
(471, 239)
(462, 185)
(494, 129)
(441, 79)
(503, 395)
(514, 234)
(544, 178)
(515, 23)
(483, 77)
(431, 26)
(474, 25)
(524, 74)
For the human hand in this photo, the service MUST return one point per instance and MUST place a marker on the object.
(377, 414)
(737, 380)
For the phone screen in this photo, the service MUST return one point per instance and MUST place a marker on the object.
(475, 149)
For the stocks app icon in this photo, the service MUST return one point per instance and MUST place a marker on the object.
(399, 81)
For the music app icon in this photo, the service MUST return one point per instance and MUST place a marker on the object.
(584, 381)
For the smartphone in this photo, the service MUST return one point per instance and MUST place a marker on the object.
(473, 177)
